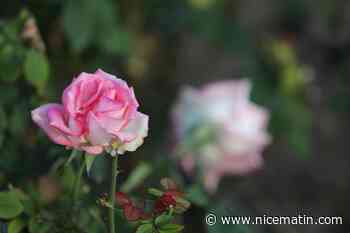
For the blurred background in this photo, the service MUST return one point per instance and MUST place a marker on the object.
(295, 52)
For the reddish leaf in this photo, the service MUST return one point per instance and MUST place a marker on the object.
(133, 213)
(122, 199)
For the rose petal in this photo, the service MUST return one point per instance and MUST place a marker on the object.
(97, 134)
(113, 79)
(94, 150)
(136, 129)
(56, 119)
(107, 104)
(240, 165)
(40, 117)
(81, 93)
(237, 91)
(90, 90)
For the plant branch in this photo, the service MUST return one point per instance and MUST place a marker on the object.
(112, 193)
(77, 183)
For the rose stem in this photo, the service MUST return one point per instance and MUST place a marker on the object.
(77, 182)
(112, 193)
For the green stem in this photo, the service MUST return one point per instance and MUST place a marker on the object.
(112, 193)
(75, 153)
(77, 183)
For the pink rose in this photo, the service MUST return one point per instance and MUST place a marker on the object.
(228, 130)
(99, 112)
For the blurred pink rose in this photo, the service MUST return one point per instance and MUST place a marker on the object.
(99, 112)
(222, 131)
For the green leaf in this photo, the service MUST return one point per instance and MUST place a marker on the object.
(72, 156)
(79, 27)
(89, 160)
(197, 195)
(138, 175)
(181, 205)
(96, 19)
(10, 205)
(29, 206)
(67, 178)
(163, 219)
(155, 192)
(38, 227)
(27, 202)
(171, 228)
(145, 228)
(16, 225)
(11, 60)
(36, 69)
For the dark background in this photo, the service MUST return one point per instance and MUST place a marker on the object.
(297, 54)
